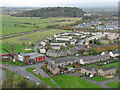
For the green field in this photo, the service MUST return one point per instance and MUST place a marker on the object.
(113, 84)
(46, 80)
(33, 37)
(98, 78)
(15, 63)
(69, 81)
(17, 48)
(116, 64)
(107, 65)
(12, 25)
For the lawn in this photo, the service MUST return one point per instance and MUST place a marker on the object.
(112, 64)
(69, 81)
(107, 65)
(15, 63)
(12, 25)
(46, 80)
(33, 37)
(113, 84)
(17, 48)
(98, 78)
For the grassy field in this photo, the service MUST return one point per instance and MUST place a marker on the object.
(46, 80)
(17, 48)
(68, 81)
(113, 84)
(112, 64)
(107, 65)
(33, 37)
(12, 25)
(98, 78)
(15, 63)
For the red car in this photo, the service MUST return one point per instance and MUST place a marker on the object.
(6, 64)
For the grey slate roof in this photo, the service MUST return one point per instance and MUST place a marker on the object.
(88, 58)
(65, 59)
(85, 58)
(89, 68)
(108, 68)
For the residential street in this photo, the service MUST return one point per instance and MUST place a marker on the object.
(22, 71)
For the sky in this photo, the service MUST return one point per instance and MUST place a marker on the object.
(47, 3)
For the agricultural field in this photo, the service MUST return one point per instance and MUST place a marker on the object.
(12, 25)
(33, 37)
(69, 81)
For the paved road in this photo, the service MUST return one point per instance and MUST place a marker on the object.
(13, 35)
(102, 84)
(2, 77)
(22, 72)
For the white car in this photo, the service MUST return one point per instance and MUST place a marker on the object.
(34, 70)
(37, 83)
(27, 78)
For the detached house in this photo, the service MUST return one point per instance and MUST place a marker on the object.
(107, 71)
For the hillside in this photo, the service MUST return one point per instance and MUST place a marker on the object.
(52, 12)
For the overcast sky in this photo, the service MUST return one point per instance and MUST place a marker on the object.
(46, 3)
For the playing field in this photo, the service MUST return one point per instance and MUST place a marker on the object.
(33, 37)
(69, 81)
(12, 25)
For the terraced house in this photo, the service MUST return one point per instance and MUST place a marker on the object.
(93, 59)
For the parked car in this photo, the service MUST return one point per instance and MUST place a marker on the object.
(27, 78)
(34, 70)
(6, 64)
(80, 76)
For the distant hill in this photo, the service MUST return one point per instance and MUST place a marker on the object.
(52, 12)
